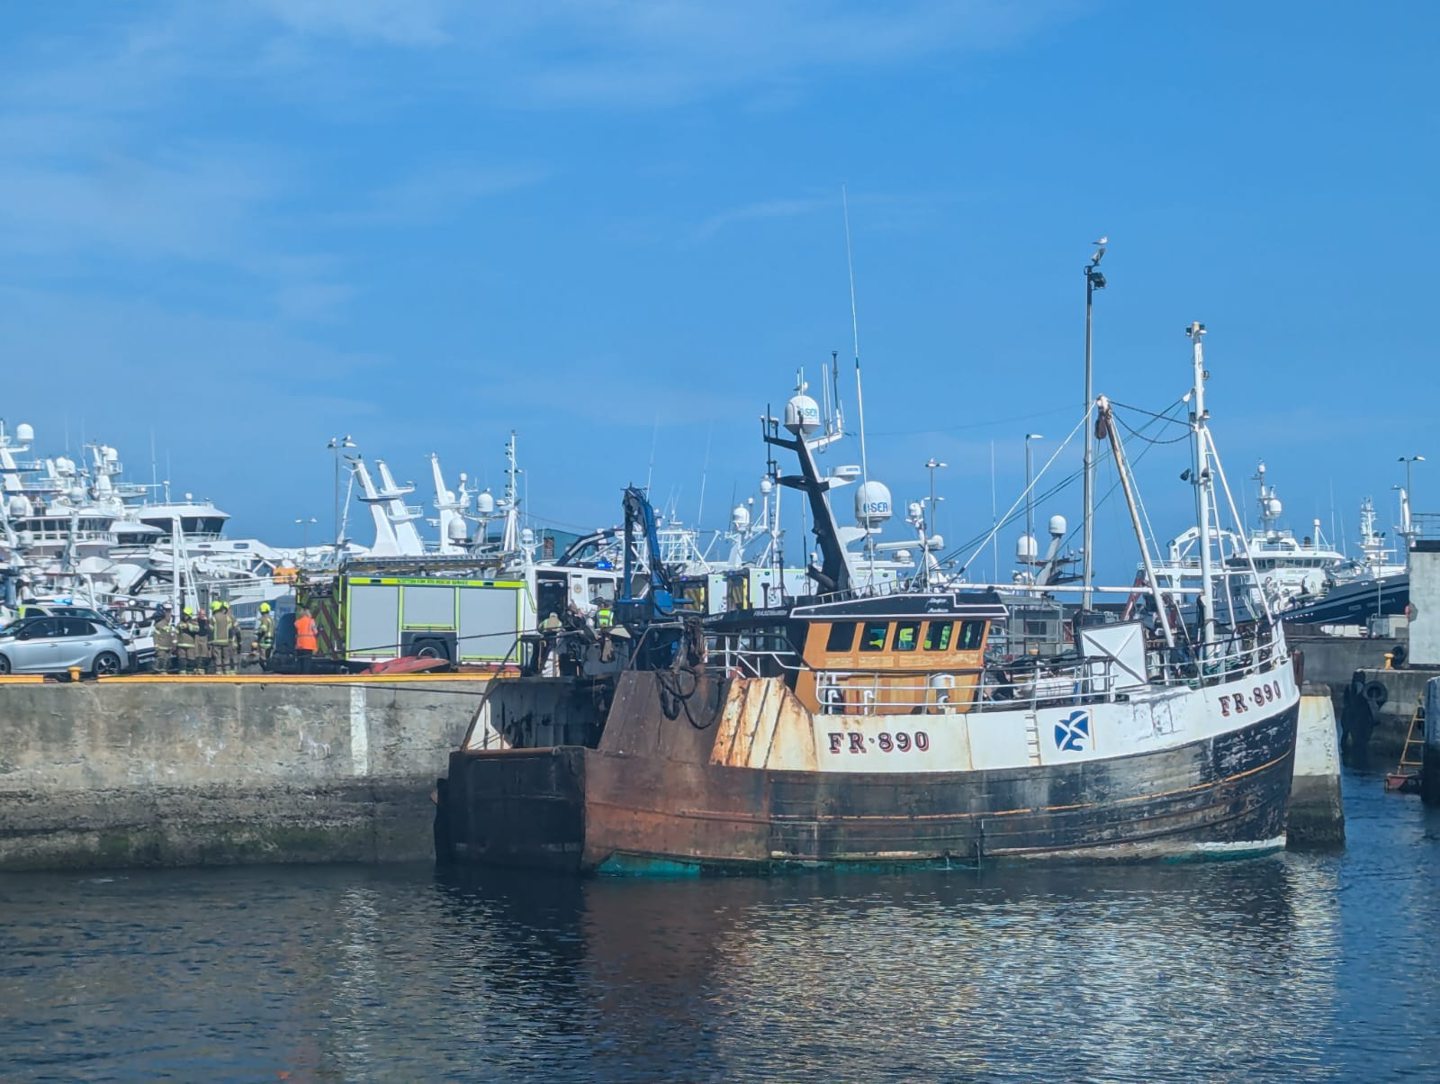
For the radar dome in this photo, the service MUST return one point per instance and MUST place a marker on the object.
(1273, 507)
(849, 471)
(766, 486)
(527, 537)
(24, 432)
(802, 415)
(1058, 526)
(485, 503)
(1025, 548)
(456, 530)
(740, 517)
(872, 505)
(65, 465)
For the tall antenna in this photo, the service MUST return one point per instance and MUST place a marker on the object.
(704, 472)
(855, 333)
(650, 473)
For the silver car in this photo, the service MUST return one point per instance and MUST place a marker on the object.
(52, 645)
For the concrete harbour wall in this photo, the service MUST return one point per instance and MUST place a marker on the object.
(1317, 814)
(194, 771)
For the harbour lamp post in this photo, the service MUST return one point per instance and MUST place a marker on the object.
(932, 465)
(1094, 280)
(338, 445)
(1410, 461)
(1029, 496)
(305, 533)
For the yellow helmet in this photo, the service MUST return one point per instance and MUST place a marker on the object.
(214, 606)
(189, 611)
(264, 607)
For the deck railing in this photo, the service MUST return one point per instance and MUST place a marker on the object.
(998, 686)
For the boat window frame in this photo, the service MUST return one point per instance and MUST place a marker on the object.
(946, 638)
(865, 634)
(963, 642)
(848, 646)
(900, 626)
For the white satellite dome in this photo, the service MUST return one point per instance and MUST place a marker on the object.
(24, 432)
(739, 517)
(1058, 526)
(64, 465)
(1025, 548)
(456, 530)
(802, 415)
(873, 506)
(766, 486)
(484, 502)
(1273, 507)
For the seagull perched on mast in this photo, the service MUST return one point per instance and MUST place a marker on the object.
(1099, 250)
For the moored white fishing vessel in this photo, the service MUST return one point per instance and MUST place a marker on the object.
(863, 726)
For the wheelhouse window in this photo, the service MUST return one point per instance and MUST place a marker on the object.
(876, 634)
(937, 635)
(972, 634)
(907, 635)
(842, 637)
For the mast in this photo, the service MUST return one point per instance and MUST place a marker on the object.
(1094, 280)
(1106, 421)
(1204, 484)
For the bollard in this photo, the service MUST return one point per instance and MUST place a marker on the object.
(74, 673)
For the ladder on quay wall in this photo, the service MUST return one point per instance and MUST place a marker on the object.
(1405, 779)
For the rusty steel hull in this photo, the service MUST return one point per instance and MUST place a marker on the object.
(593, 810)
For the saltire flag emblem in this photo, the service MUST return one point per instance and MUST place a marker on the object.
(1073, 732)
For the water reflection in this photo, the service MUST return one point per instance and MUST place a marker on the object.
(1112, 972)
(1293, 967)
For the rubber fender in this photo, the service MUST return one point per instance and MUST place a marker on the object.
(1376, 693)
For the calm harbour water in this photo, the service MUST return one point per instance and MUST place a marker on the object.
(1300, 967)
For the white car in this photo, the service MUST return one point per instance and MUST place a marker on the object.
(53, 645)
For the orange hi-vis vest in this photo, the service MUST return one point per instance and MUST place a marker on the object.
(305, 633)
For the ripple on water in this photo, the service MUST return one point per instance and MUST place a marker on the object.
(1275, 969)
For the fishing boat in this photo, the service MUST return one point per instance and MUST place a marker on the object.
(866, 726)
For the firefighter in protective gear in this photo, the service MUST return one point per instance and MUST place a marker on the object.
(185, 641)
(265, 633)
(222, 639)
(202, 643)
(163, 632)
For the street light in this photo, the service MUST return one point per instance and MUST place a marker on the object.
(932, 465)
(1094, 280)
(1030, 497)
(305, 534)
(337, 445)
(1410, 461)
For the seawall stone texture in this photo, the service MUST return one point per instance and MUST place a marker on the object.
(186, 772)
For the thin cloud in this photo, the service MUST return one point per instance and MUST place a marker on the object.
(440, 193)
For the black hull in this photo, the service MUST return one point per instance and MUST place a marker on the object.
(1355, 603)
(586, 810)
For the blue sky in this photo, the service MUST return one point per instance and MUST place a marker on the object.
(614, 227)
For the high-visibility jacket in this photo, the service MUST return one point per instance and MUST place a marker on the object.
(265, 630)
(221, 627)
(306, 634)
(164, 633)
(604, 617)
(189, 627)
